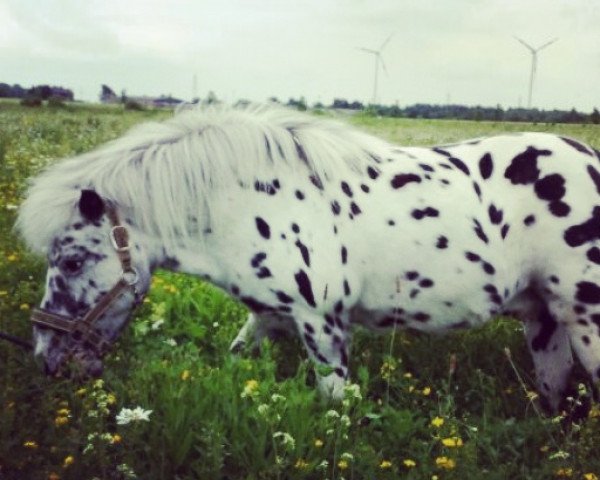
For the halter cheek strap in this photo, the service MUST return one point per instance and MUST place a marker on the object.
(83, 330)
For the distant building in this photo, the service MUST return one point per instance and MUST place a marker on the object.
(107, 95)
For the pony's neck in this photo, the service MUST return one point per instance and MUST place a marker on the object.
(194, 261)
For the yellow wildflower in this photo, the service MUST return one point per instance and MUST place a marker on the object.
(427, 391)
(81, 392)
(408, 375)
(116, 438)
(111, 399)
(564, 472)
(185, 375)
(30, 444)
(301, 464)
(12, 257)
(385, 464)
(3, 293)
(342, 464)
(63, 412)
(590, 476)
(318, 442)
(437, 422)
(24, 306)
(594, 412)
(409, 463)
(531, 396)
(452, 442)
(411, 388)
(69, 460)
(250, 388)
(60, 421)
(445, 463)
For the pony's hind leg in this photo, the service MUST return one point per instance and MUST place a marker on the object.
(576, 306)
(548, 342)
(550, 349)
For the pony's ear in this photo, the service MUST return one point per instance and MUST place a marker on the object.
(91, 205)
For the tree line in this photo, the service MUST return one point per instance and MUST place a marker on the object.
(458, 112)
(39, 92)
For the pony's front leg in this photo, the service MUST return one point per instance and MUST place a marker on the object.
(258, 327)
(245, 335)
(327, 340)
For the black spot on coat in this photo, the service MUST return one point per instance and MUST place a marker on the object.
(372, 172)
(304, 252)
(580, 147)
(588, 292)
(559, 208)
(346, 189)
(587, 231)
(263, 228)
(595, 177)
(523, 169)
(335, 207)
(479, 231)
(458, 163)
(283, 297)
(486, 166)
(402, 179)
(551, 187)
(305, 287)
(593, 255)
(495, 214)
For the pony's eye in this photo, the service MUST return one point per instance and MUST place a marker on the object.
(72, 265)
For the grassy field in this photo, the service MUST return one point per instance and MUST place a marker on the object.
(423, 407)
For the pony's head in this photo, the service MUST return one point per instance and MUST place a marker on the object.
(96, 275)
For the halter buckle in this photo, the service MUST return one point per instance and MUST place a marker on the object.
(118, 235)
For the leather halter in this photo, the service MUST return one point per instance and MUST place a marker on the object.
(83, 330)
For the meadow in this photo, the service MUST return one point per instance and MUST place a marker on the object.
(462, 406)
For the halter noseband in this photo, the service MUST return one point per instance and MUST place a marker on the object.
(82, 330)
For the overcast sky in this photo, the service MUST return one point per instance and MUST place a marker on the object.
(462, 51)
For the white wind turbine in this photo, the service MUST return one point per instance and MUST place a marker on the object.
(534, 52)
(378, 61)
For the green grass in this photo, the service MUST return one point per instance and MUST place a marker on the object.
(258, 416)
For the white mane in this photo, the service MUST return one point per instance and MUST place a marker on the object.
(161, 174)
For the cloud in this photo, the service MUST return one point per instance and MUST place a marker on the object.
(63, 28)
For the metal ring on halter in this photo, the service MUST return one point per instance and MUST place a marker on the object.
(131, 276)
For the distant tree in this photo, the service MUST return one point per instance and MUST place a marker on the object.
(211, 98)
(339, 103)
(298, 104)
(595, 116)
(107, 95)
(5, 90)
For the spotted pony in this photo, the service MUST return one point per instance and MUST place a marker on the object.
(318, 227)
